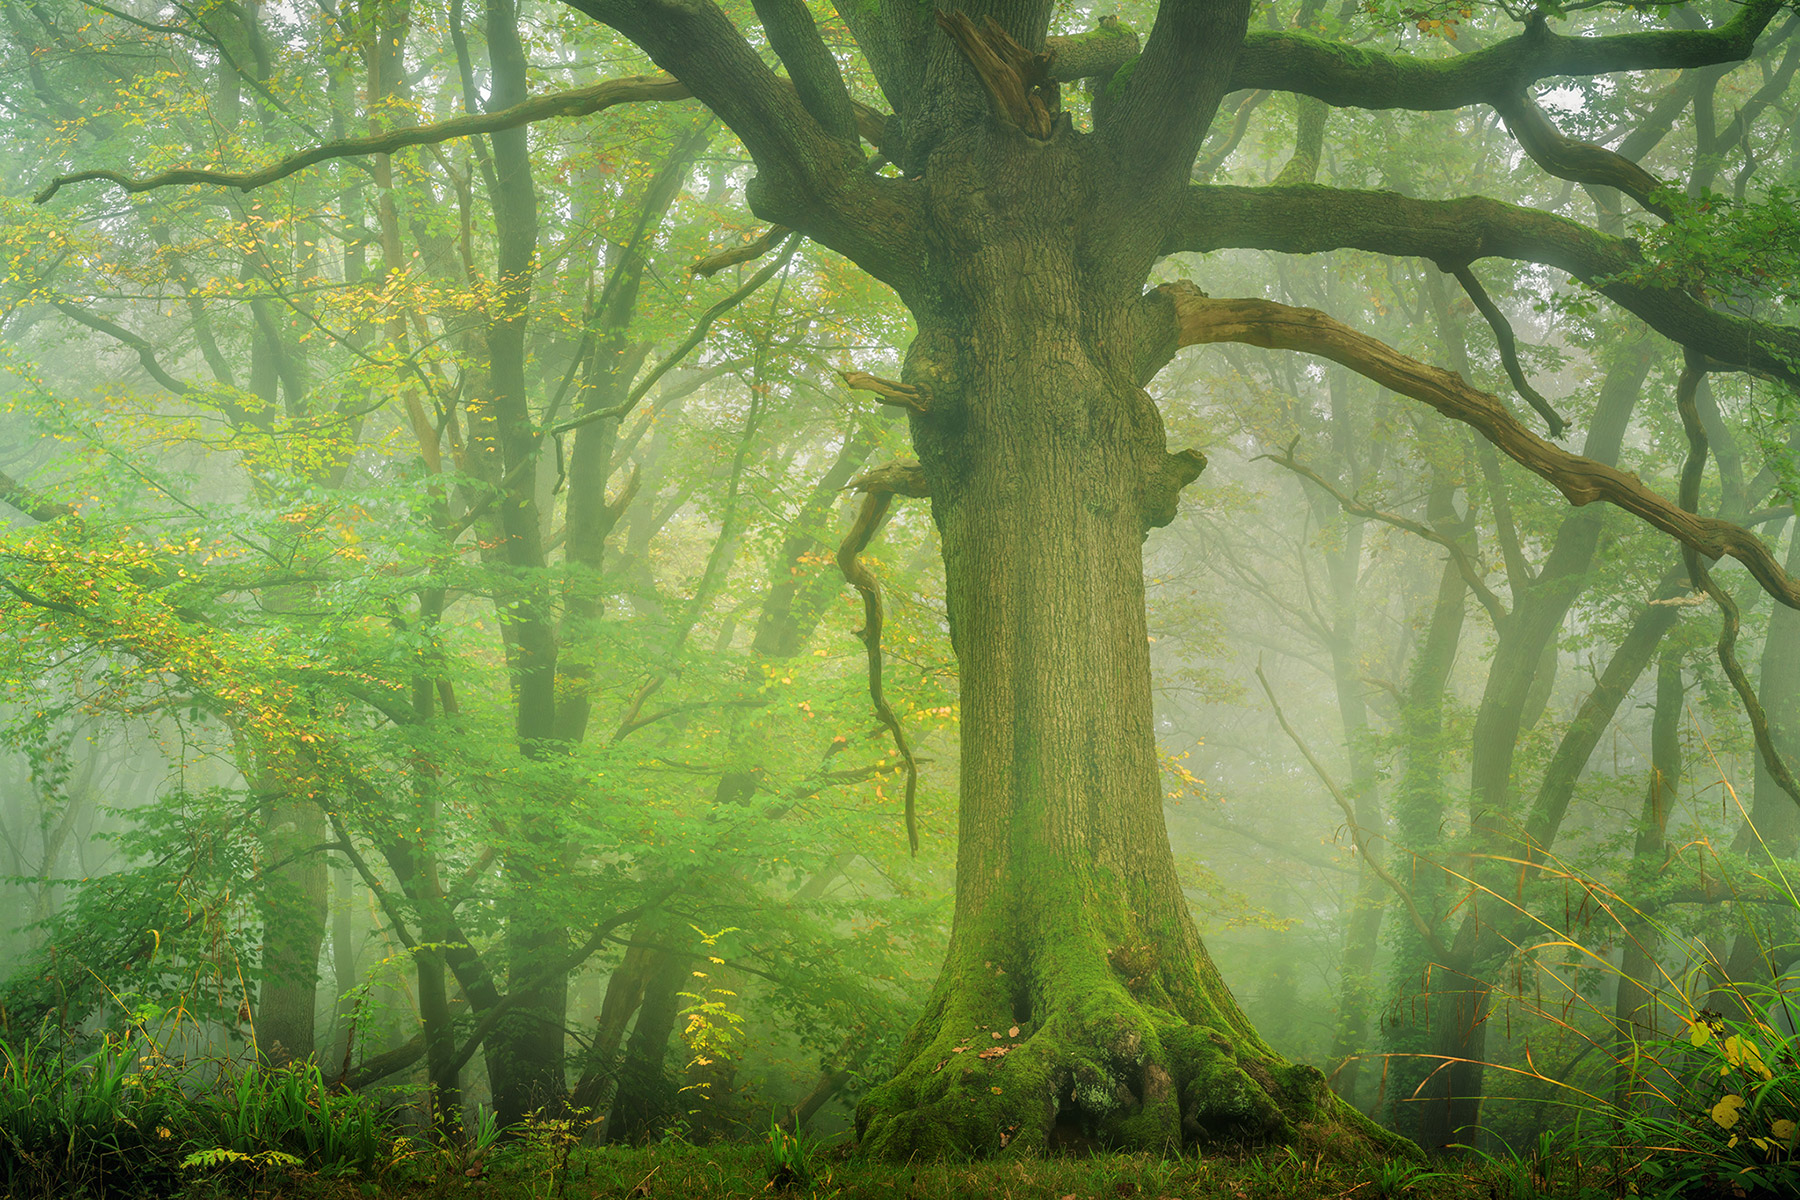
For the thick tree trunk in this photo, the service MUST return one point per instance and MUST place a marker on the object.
(1076, 994)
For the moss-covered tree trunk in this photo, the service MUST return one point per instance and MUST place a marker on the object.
(1076, 994)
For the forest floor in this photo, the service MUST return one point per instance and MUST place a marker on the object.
(737, 1172)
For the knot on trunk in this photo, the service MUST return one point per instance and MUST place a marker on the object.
(1162, 491)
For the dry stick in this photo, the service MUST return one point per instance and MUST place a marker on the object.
(1581, 480)
(1356, 831)
(1729, 623)
(874, 508)
(1509, 348)
(578, 102)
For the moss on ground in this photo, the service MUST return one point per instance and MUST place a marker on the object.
(740, 1171)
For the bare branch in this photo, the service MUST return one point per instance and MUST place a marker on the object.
(1464, 565)
(1357, 835)
(712, 264)
(1199, 320)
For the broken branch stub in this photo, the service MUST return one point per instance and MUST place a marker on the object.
(904, 395)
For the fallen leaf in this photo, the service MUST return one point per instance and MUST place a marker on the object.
(1013, 1032)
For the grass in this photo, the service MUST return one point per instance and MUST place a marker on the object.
(741, 1171)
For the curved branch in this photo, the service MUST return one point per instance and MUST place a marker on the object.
(712, 264)
(1577, 161)
(145, 351)
(1308, 220)
(1726, 646)
(1198, 320)
(1353, 77)
(879, 488)
(579, 102)
(1509, 348)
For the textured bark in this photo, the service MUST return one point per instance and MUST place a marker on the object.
(1046, 463)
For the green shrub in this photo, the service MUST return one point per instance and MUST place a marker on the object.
(123, 1121)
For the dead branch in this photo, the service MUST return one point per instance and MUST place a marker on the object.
(902, 395)
(1017, 81)
(868, 520)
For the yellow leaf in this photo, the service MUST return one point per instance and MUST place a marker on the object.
(1699, 1033)
(1783, 1130)
(1725, 1112)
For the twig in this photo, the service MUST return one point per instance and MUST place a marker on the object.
(1356, 832)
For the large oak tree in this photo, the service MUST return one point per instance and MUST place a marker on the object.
(1022, 246)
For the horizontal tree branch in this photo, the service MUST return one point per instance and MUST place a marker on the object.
(1310, 220)
(1198, 320)
(578, 102)
(1355, 77)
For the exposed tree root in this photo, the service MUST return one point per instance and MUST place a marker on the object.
(1039, 1036)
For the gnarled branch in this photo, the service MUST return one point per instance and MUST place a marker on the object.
(1198, 320)
(1308, 220)
(1355, 77)
(879, 487)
